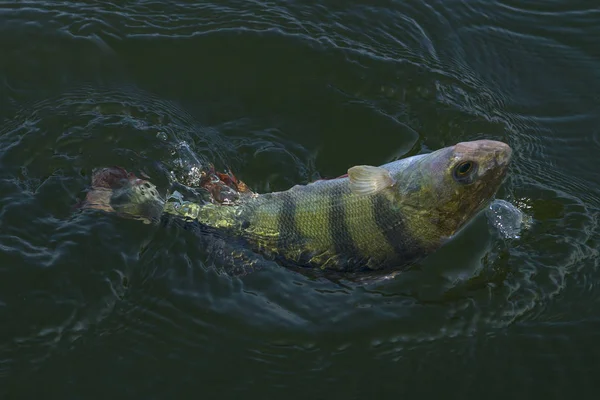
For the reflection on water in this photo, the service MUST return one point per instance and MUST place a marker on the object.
(285, 93)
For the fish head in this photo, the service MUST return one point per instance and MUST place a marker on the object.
(448, 187)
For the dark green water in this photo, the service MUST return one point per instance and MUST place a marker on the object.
(284, 92)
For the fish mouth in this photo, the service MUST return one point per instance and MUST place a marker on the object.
(503, 155)
(501, 152)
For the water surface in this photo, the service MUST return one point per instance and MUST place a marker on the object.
(285, 92)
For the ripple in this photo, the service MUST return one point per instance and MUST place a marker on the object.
(58, 282)
(397, 34)
(86, 292)
(424, 76)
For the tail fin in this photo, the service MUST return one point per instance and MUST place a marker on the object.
(116, 190)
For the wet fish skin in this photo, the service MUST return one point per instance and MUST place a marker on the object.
(375, 218)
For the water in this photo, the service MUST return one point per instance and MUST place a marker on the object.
(284, 92)
(507, 219)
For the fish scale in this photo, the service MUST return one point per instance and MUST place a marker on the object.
(323, 224)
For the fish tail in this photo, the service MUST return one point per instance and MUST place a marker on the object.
(115, 190)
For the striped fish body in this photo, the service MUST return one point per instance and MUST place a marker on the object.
(326, 225)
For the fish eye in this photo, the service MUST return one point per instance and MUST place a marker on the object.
(464, 170)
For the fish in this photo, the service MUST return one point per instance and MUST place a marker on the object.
(373, 218)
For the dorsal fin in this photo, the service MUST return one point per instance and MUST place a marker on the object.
(366, 179)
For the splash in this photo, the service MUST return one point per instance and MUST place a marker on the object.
(190, 170)
(508, 220)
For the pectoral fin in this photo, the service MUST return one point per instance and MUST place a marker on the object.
(366, 179)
